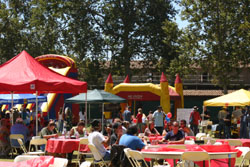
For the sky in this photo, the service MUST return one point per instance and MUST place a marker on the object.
(181, 24)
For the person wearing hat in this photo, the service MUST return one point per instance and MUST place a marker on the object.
(20, 128)
(194, 120)
(97, 139)
(158, 117)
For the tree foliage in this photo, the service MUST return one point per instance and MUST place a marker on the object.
(132, 30)
(218, 33)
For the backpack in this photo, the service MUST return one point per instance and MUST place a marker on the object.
(118, 157)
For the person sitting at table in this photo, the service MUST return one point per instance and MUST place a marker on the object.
(151, 130)
(175, 136)
(187, 131)
(132, 141)
(97, 139)
(117, 133)
(49, 131)
(79, 130)
(167, 129)
(20, 128)
(125, 125)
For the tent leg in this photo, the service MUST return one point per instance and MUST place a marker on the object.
(36, 113)
(102, 118)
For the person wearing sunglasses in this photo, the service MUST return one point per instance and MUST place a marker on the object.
(175, 136)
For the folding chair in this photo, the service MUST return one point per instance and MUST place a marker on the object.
(195, 156)
(38, 142)
(245, 157)
(200, 136)
(83, 141)
(20, 158)
(60, 162)
(25, 150)
(234, 142)
(131, 161)
(137, 159)
(98, 157)
(13, 142)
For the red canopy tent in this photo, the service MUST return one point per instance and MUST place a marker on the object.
(24, 74)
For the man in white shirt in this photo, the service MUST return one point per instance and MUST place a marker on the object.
(97, 139)
(158, 118)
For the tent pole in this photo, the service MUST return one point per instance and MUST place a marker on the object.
(36, 114)
(86, 110)
(12, 105)
(102, 118)
(89, 112)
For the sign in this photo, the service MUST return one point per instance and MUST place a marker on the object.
(184, 113)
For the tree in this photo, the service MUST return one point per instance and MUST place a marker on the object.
(219, 35)
(132, 29)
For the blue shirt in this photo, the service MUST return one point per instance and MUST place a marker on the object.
(19, 129)
(131, 141)
(174, 137)
(127, 116)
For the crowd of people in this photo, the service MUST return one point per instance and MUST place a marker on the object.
(132, 131)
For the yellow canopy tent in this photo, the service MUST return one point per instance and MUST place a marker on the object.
(238, 98)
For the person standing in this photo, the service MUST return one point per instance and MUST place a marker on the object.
(68, 118)
(60, 120)
(158, 117)
(243, 124)
(222, 116)
(139, 119)
(227, 129)
(194, 120)
(127, 114)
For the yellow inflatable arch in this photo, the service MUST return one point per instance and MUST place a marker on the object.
(149, 92)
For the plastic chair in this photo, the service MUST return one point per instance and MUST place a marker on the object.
(189, 142)
(20, 158)
(98, 157)
(233, 142)
(131, 161)
(245, 157)
(200, 136)
(209, 139)
(138, 159)
(37, 142)
(25, 150)
(60, 162)
(14, 137)
(83, 141)
(195, 156)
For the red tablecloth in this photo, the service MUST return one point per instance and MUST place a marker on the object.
(42, 161)
(207, 148)
(151, 138)
(245, 142)
(190, 138)
(64, 145)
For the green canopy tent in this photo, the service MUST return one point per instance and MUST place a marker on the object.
(95, 96)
